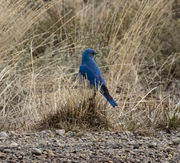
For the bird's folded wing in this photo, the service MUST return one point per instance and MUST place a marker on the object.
(104, 89)
(88, 73)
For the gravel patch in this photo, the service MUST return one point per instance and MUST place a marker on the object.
(106, 146)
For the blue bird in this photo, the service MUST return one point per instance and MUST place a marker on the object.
(90, 71)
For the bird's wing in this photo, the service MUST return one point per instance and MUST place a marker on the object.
(88, 73)
(104, 89)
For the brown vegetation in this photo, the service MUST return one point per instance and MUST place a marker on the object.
(41, 42)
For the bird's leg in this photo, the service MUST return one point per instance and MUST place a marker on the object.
(94, 95)
(92, 102)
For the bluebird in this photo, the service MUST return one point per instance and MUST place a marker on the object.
(90, 71)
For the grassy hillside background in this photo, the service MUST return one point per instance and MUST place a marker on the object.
(138, 45)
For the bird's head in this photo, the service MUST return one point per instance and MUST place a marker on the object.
(88, 54)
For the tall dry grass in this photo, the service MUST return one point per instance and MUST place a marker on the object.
(41, 45)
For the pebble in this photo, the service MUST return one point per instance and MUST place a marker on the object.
(60, 132)
(13, 145)
(50, 153)
(2, 155)
(3, 135)
(136, 146)
(7, 150)
(36, 151)
(176, 141)
(152, 145)
(178, 148)
(169, 149)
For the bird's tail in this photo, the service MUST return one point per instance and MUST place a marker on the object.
(108, 97)
(110, 100)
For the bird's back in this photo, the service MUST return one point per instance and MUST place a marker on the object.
(92, 66)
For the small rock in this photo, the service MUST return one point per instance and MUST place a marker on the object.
(168, 149)
(13, 145)
(170, 143)
(2, 155)
(7, 150)
(152, 145)
(2, 147)
(136, 146)
(36, 151)
(178, 147)
(170, 156)
(176, 141)
(60, 132)
(101, 147)
(3, 135)
(50, 153)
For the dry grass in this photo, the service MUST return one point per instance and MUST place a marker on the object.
(41, 45)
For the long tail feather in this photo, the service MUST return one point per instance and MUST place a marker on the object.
(108, 97)
(110, 100)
